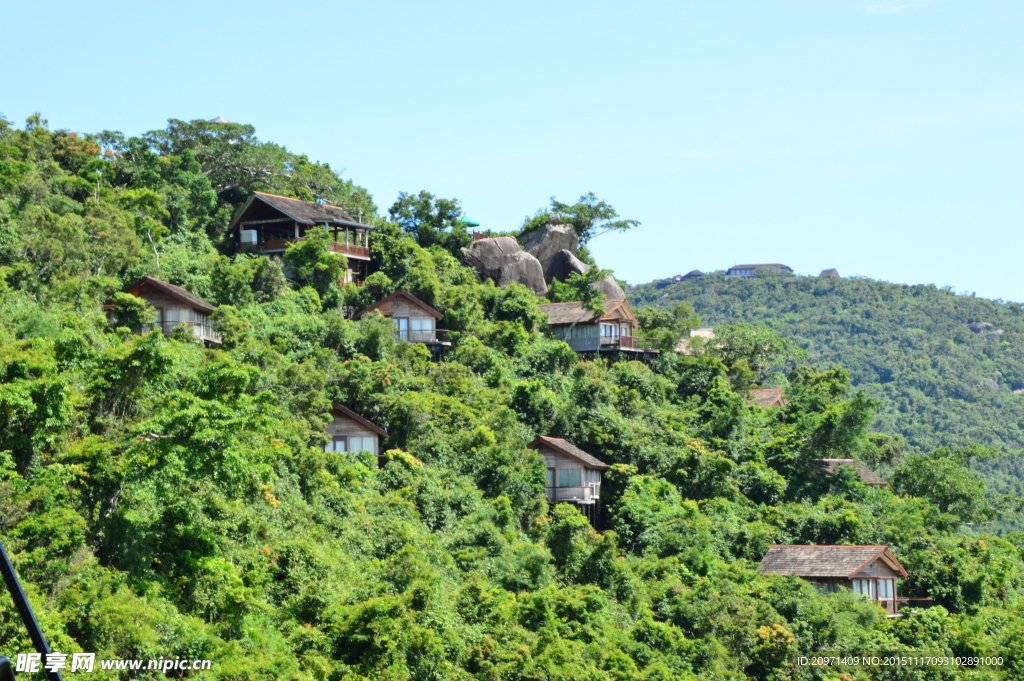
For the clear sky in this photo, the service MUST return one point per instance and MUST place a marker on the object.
(882, 136)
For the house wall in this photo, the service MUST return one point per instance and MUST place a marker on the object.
(344, 426)
(877, 569)
(581, 338)
(590, 479)
(173, 312)
(403, 308)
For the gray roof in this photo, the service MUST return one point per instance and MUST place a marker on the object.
(569, 449)
(765, 264)
(306, 212)
(569, 313)
(173, 291)
(829, 274)
(830, 466)
(826, 561)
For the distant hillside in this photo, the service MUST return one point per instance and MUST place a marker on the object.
(940, 383)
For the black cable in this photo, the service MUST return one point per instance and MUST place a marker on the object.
(35, 632)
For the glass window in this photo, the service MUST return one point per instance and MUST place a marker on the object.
(569, 477)
(363, 444)
(549, 481)
(885, 588)
(338, 444)
(422, 325)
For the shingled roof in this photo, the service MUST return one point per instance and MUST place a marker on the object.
(174, 291)
(384, 305)
(345, 411)
(572, 451)
(569, 313)
(826, 561)
(768, 397)
(304, 212)
(830, 466)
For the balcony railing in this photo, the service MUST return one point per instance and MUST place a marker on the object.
(630, 342)
(435, 336)
(586, 495)
(271, 245)
(201, 331)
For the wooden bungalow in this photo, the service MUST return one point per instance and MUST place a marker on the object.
(415, 321)
(573, 476)
(869, 570)
(176, 307)
(832, 273)
(350, 432)
(587, 332)
(768, 397)
(269, 223)
(831, 466)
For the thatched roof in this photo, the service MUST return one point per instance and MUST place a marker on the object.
(768, 397)
(342, 410)
(569, 313)
(830, 466)
(564, 447)
(384, 305)
(829, 274)
(826, 561)
(177, 292)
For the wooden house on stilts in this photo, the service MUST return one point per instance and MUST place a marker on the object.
(573, 476)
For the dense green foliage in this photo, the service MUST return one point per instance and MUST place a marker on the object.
(938, 383)
(164, 499)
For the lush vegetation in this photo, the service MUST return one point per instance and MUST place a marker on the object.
(938, 383)
(164, 499)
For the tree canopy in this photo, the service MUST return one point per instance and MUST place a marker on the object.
(164, 499)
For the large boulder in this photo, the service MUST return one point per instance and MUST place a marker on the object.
(546, 241)
(502, 260)
(563, 263)
(610, 288)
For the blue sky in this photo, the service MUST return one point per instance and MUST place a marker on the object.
(875, 136)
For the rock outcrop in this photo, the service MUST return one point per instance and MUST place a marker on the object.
(979, 327)
(502, 260)
(546, 241)
(563, 263)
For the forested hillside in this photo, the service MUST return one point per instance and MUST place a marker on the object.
(165, 499)
(938, 383)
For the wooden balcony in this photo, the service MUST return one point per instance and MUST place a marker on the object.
(202, 332)
(630, 343)
(435, 337)
(278, 245)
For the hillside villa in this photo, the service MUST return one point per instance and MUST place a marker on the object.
(587, 332)
(869, 570)
(175, 307)
(268, 223)
(350, 432)
(415, 321)
(573, 476)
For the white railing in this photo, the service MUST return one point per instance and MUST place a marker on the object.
(582, 494)
(201, 331)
